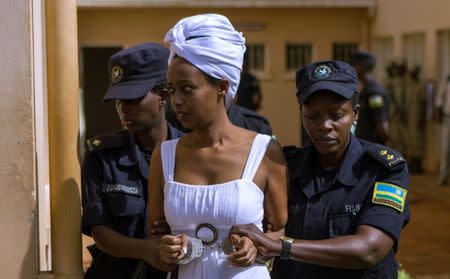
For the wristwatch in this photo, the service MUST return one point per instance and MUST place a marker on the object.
(286, 245)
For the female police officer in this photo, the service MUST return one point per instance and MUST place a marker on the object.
(115, 169)
(347, 197)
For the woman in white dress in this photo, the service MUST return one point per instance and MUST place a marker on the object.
(219, 175)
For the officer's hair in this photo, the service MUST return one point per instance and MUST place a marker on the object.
(354, 99)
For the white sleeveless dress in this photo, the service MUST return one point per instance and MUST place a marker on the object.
(222, 205)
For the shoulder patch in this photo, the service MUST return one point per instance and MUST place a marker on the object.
(390, 195)
(376, 101)
(385, 156)
(105, 142)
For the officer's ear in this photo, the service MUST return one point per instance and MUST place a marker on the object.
(164, 95)
(356, 109)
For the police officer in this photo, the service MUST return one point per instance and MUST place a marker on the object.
(415, 103)
(398, 124)
(442, 103)
(347, 197)
(373, 123)
(249, 94)
(115, 168)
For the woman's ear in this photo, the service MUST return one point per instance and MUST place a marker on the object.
(223, 87)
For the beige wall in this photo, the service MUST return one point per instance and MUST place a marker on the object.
(399, 20)
(321, 27)
(18, 257)
(405, 17)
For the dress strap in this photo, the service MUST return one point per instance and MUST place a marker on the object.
(259, 147)
(168, 149)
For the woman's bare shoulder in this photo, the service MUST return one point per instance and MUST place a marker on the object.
(275, 152)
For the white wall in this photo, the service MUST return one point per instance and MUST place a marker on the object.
(17, 199)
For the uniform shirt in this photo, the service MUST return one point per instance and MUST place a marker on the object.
(239, 116)
(374, 108)
(443, 98)
(249, 120)
(248, 91)
(327, 204)
(114, 184)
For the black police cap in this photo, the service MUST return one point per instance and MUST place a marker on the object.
(364, 58)
(134, 71)
(336, 76)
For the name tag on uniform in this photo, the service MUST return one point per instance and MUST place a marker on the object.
(390, 195)
(120, 188)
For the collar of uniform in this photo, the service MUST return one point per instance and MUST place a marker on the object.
(346, 174)
(132, 155)
(172, 132)
(309, 169)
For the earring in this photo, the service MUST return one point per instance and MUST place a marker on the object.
(354, 126)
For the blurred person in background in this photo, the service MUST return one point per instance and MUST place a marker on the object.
(442, 103)
(373, 122)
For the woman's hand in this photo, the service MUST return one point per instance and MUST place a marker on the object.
(245, 254)
(266, 246)
(173, 248)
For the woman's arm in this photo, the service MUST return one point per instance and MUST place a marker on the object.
(275, 192)
(118, 245)
(156, 204)
(367, 247)
(155, 190)
(364, 249)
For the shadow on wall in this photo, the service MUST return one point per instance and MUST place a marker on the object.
(29, 267)
(68, 201)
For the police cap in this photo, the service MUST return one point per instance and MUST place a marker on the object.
(363, 58)
(336, 76)
(134, 71)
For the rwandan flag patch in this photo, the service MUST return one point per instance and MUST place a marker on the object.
(390, 195)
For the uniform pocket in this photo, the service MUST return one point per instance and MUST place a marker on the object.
(122, 204)
(342, 224)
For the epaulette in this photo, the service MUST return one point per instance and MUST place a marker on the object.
(387, 157)
(105, 142)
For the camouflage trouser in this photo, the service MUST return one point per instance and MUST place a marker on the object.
(445, 150)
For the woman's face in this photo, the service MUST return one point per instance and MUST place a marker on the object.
(195, 100)
(327, 118)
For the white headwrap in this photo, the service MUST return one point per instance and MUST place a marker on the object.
(210, 43)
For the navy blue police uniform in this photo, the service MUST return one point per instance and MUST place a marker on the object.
(239, 116)
(369, 187)
(324, 205)
(247, 91)
(115, 179)
(374, 108)
(115, 167)
(373, 101)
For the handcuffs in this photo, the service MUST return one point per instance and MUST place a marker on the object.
(205, 235)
